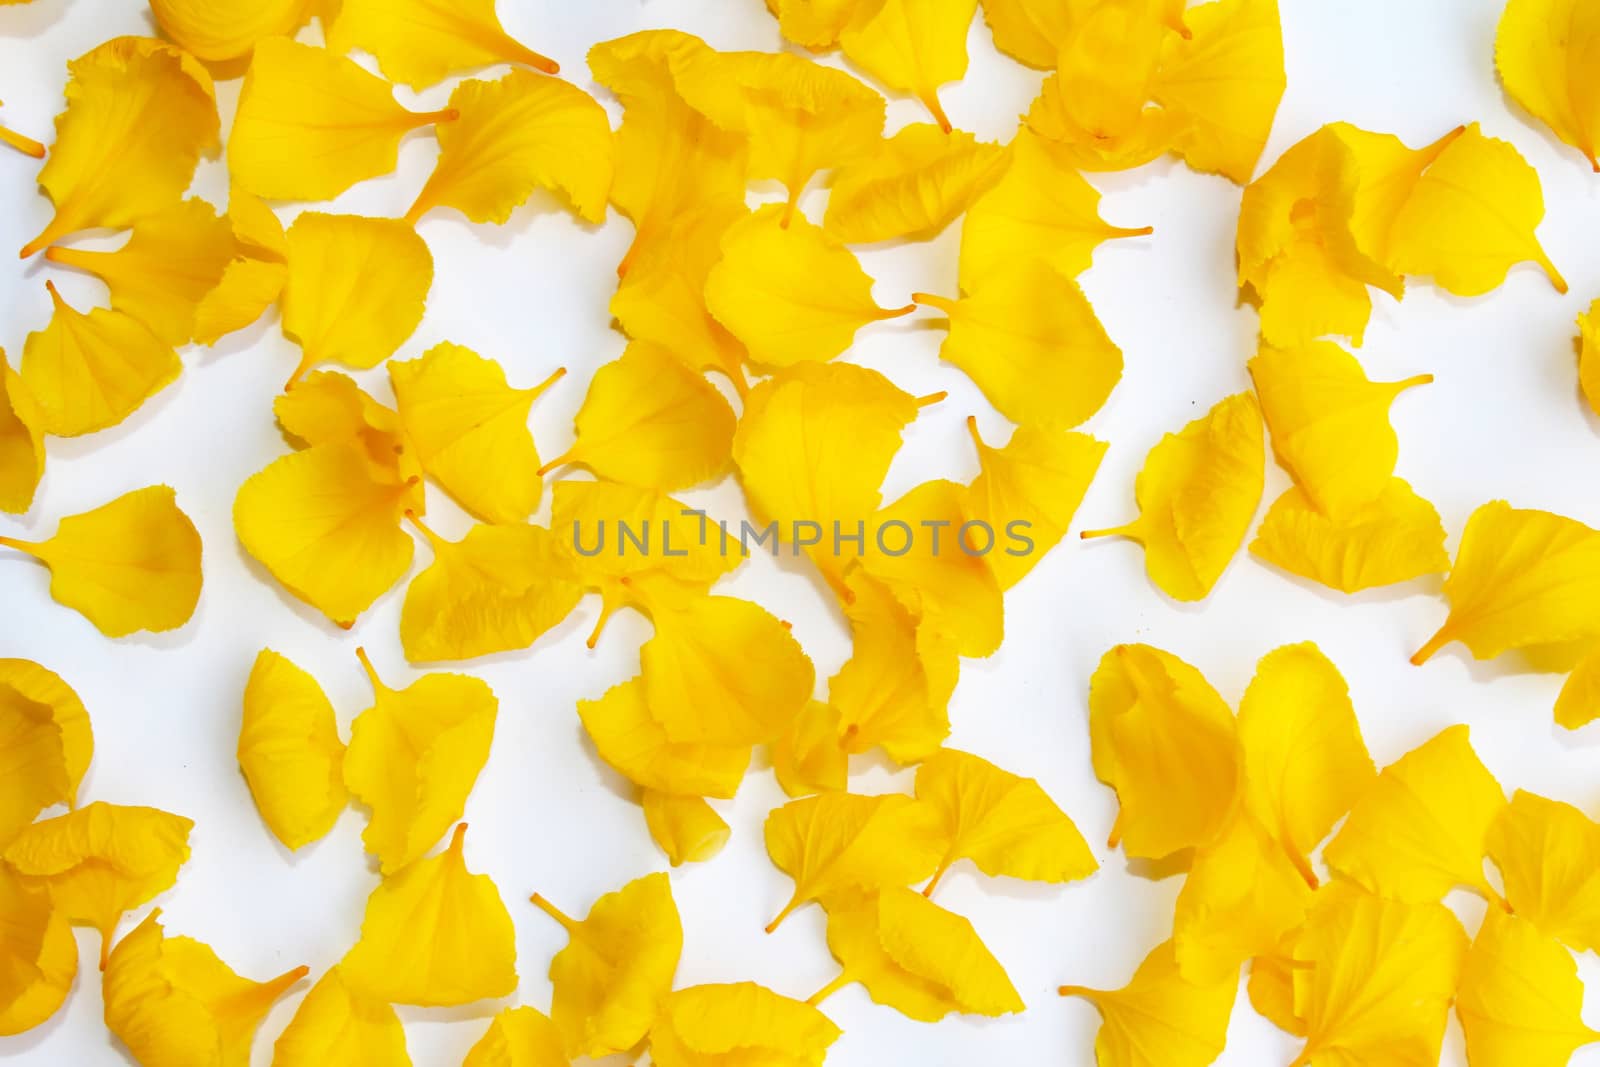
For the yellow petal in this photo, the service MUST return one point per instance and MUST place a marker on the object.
(940, 575)
(1104, 71)
(290, 752)
(1030, 31)
(894, 690)
(220, 30)
(1579, 700)
(1520, 1000)
(499, 589)
(617, 966)
(356, 289)
(518, 1037)
(1329, 423)
(43, 686)
(815, 24)
(1271, 989)
(102, 860)
(512, 136)
(38, 955)
(1373, 978)
(1197, 494)
(422, 42)
(21, 441)
(790, 292)
(470, 430)
(1165, 741)
(800, 116)
(1160, 1017)
(1420, 829)
(723, 671)
(1305, 762)
(336, 1023)
(672, 161)
(1041, 209)
(629, 739)
(809, 759)
(435, 934)
(687, 828)
(1521, 578)
(707, 1025)
(35, 762)
(1222, 84)
(1472, 217)
(171, 1000)
(1241, 896)
(1030, 340)
(1388, 172)
(311, 123)
(1132, 137)
(1030, 488)
(328, 527)
(413, 758)
(168, 267)
(1005, 824)
(650, 421)
(254, 276)
(845, 841)
(1547, 53)
(915, 185)
(814, 445)
(1396, 538)
(139, 115)
(1589, 356)
(1545, 851)
(89, 372)
(132, 564)
(661, 298)
(917, 958)
(912, 46)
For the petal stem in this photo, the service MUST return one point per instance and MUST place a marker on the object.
(938, 876)
(27, 547)
(372, 673)
(26, 145)
(1435, 643)
(932, 300)
(788, 909)
(930, 99)
(566, 921)
(560, 461)
(932, 398)
(830, 989)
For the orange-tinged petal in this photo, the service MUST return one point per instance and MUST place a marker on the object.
(1029, 338)
(290, 752)
(413, 758)
(132, 564)
(312, 123)
(616, 967)
(436, 935)
(650, 421)
(139, 115)
(102, 860)
(89, 372)
(511, 136)
(166, 270)
(913, 186)
(171, 1000)
(221, 30)
(422, 42)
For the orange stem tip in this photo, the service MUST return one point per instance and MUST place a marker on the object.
(1110, 531)
(933, 883)
(554, 912)
(26, 145)
(931, 399)
(1114, 232)
(1303, 865)
(372, 673)
(972, 428)
(1114, 838)
(1412, 382)
(930, 99)
(540, 389)
(54, 231)
(933, 300)
(1078, 991)
(830, 989)
(788, 909)
(894, 313)
(606, 611)
(560, 461)
(306, 363)
(1435, 643)
(273, 988)
(458, 838)
(56, 298)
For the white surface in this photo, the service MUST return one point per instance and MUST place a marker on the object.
(1502, 420)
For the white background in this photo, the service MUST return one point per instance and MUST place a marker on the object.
(1503, 420)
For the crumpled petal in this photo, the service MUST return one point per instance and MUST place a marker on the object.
(290, 752)
(336, 1023)
(422, 42)
(688, 829)
(633, 743)
(1396, 538)
(913, 186)
(219, 30)
(913, 46)
(1160, 1016)
(21, 441)
(741, 1022)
